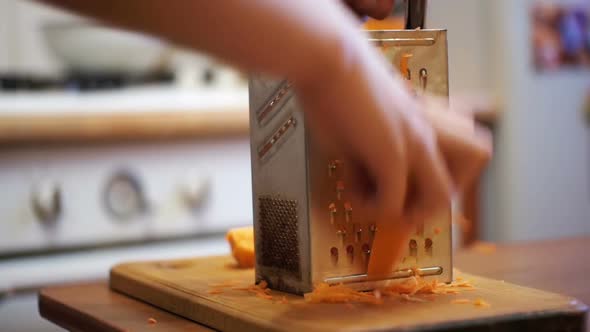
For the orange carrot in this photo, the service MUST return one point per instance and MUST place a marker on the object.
(481, 303)
(388, 247)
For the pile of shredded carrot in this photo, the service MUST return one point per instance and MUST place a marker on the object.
(261, 290)
(477, 302)
(406, 290)
(413, 289)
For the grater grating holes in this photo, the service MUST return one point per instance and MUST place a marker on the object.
(278, 222)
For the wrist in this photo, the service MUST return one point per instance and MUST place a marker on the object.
(329, 56)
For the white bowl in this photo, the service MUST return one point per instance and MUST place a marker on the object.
(88, 48)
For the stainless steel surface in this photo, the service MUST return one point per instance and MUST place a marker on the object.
(332, 233)
(281, 174)
(399, 274)
(428, 49)
(124, 196)
(46, 203)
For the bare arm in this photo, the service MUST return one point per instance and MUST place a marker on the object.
(317, 44)
(287, 38)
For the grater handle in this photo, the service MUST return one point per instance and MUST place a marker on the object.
(415, 14)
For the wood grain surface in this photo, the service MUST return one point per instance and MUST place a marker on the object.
(557, 266)
(117, 127)
(93, 307)
(560, 266)
(184, 287)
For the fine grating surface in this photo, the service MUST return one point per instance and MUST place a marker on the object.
(278, 234)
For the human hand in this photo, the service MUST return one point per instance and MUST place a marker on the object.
(378, 9)
(465, 145)
(405, 157)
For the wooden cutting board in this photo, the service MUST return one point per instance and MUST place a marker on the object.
(187, 288)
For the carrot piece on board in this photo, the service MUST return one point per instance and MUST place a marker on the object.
(461, 301)
(241, 241)
(481, 303)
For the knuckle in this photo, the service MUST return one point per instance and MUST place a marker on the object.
(380, 14)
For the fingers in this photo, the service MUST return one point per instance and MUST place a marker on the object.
(378, 9)
(416, 184)
(446, 152)
(431, 184)
(391, 193)
(466, 154)
(466, 147)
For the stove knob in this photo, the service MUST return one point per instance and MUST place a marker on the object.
(46, 202)
(196, 191)
(124, 196)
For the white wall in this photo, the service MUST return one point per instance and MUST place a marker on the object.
(543, 179)
(466, 25)
(538, 185)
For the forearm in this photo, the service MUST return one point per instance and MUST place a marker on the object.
(297, 39)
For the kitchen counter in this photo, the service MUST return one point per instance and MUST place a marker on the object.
(158, 113)
(122, 127)
(556, 266)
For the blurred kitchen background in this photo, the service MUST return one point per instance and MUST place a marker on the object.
(116, 146)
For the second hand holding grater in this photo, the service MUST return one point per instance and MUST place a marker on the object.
(307, 229)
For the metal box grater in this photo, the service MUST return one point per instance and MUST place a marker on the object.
(307, 230)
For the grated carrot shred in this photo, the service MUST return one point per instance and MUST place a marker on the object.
(413, 289)
(461, 301)
(324, 293)
(486, 248)
(260, 290)
(152, 321)
(228, 283)
(481, 303)
(409, 298)
(264, 296)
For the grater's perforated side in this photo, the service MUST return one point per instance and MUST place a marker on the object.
(278, 234)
